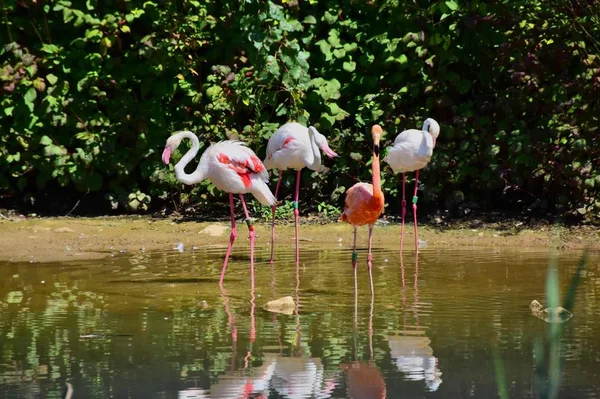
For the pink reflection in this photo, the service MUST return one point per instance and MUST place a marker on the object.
(363, 379)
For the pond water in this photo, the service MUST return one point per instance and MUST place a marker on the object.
(136, 326)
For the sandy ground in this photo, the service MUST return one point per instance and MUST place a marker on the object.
(64, 239)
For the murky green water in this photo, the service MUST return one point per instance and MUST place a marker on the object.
(134, 326)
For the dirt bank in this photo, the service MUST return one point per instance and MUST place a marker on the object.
(62, 239)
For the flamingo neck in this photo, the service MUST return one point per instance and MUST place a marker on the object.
(316, 163)
(180, 173)
(376, 168)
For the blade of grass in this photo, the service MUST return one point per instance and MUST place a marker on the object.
(499, 371)
(570, 300)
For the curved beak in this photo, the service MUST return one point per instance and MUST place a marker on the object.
(328, 151)
(166, 155)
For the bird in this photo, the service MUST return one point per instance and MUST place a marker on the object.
(364, 203)
(411, 152)
(294, 146)
(232, 167)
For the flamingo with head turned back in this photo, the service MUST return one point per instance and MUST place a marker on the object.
(364, 204)
(412, 151)
(294, 146)
(231, 167)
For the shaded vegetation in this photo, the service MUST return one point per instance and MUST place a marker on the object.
(90, 92)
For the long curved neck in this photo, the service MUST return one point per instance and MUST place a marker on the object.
(198, 175)
(375, 167)
(316, 163)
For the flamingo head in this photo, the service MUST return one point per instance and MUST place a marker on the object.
(172, 144)
(376, 131)
(432, 127)
(321, 142)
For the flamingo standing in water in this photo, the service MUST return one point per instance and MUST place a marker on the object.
(364, 204)
(231, 167)
(294, 146)
(412, 151)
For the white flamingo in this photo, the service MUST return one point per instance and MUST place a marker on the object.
(294, 146)
(412, 151)
(231, 167)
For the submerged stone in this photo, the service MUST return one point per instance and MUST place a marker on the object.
(283, 305)
(550, 315)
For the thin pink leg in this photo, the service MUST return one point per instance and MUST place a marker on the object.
(231, 240)
(251, 234)
(354, 253)
(414, 201)
(370, 258)
(274, 208)
(296, 215)
(403, 210)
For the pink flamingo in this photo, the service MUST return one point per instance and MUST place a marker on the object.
(294, 146)
(231, 167)
(412, 151)
(364, 204)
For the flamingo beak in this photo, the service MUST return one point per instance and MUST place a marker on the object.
(328, 151)
(166, 155)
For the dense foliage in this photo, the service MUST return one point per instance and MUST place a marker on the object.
(91, 90)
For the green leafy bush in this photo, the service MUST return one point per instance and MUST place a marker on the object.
(91, 90)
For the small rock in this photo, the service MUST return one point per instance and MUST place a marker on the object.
(203, 305)
(283, 305)
(550, 315)
(422, 243)
(64, 230)
(179, 247)
(214, 230)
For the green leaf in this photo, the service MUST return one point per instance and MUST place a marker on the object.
(451, 4)
(51, 79)
(310, 20)
(349, 66)
(8, 111)
(30, 96)
(45, 140)
(50, 48)
(339, 53)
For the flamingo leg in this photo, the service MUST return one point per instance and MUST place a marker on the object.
(274, 208)
(403, 210)
(370, 258)
(296, 215)
(354, 254)
(251, 234)
(231, 240)
(414, 201)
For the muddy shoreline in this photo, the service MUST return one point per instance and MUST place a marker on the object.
(65, 238)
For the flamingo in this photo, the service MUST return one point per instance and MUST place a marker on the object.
(231, 167)
(364, 204)
(294, 146)
(412, 151)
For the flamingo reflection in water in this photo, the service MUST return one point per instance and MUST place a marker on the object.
(245, 383)
(363, 379)
(300, 376)
(290, 377)
(412, 349)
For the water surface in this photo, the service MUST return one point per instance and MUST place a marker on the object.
(136, 326)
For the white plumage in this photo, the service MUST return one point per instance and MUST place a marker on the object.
(413, 148)
(229, 165)
(294, 146)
